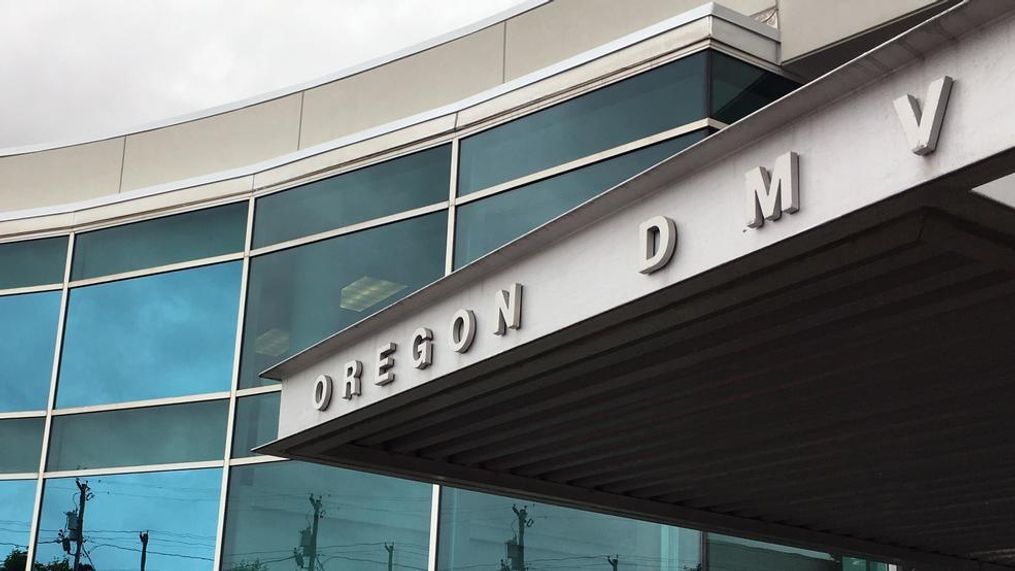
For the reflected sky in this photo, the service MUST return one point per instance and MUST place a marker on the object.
(27, 341)
(17, 498)
(178, 509)
(156, 336)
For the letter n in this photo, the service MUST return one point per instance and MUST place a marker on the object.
(769, 194)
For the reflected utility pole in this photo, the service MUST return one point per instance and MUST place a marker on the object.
(308, 537)
(613, 561)
(76, 521)
(390, 548)
(144, 548)
(516, 545)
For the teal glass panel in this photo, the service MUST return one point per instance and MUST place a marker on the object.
(168, 240)
(386, 188)
(28, 324)
(156, 336)
(256, 422)
(36, 262)
(17, 501)
(178, 511)
(158, 435)
(297, 297)
(663, 98)
(737, 554)
(271, 509)
(739, 88)
(487, 224)
(481, 531)
(21, 443)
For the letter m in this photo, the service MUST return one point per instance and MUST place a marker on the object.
(771, 194)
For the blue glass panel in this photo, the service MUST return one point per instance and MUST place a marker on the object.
(21, 444)
(36, 262)
(271, 509)
(177, 510)
(17, 500)
(256, 422)
(488, 224)
(28, 326)
(156, 336)
(481, 531)
(739, 88)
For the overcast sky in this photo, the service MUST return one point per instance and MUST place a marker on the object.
(76, 68)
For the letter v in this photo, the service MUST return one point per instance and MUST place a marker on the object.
(922, 129)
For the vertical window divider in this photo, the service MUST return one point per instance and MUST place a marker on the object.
(435, 518)
(449, 254)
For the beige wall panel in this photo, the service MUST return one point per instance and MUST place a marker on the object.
(37, 225)
(808, 25)
(424, 81)
(221, 142)
(58, 176)
(565, 28)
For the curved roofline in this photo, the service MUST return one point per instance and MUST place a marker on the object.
(458, 33)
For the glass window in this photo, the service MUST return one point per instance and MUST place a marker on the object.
(739, 88)
(286, 515)
(17, 502)
(36, 262)
(256, 422)
(178, 512)
(21, 443)
(487, 224)
(301, 295)
(156, 336)
(649, 103)
(157, 435)
(400, 184)
(481, 531)
(28, 324)
(179, 238)
(737, 554)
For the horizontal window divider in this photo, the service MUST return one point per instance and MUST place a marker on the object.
(256, 460)
(23, 414)
(373, 223)
(19, 476)
(30, 289)
(274, 388)
(158, 270)
(176, 466)
(223, 395)
(591, 159)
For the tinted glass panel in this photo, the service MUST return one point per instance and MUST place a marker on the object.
(37, 262)
(271, 509)
(28, 325)
(401, 184)
(256, 422)
(156, 336)
(480, 531)
(654, 101)
(739, 89)
(488, 224)
(21, 444)
(158, 435)
(190, 236)
(736, 554)
(178, 510)
(17, 500)
(301, 295)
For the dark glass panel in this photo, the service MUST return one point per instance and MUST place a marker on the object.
(481, 531)
(386, 188)
(178, 511)
(489, 223)
(271, 509)
(256, 422)
(28, 324)
(157, 435)
(649, 103)
(36, 262)
(736, 554)
(301, 295)
(739, 88)
(17, 501)
(156, 336)
(179, 238)
(21, 444)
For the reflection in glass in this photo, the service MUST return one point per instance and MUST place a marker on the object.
(272, 509)
(28, 324)
(167, 240)
(156, 435)
(386, 188)
(17, 500)
(156, 336)
(31, 263)
(256, 422)
(738, 554)
(178, 512)
(489, 223)
(739, 88)
(481, 531)
(20, 444)
(301, 295)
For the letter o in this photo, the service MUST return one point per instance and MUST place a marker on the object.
(463, 330)
(322, 392)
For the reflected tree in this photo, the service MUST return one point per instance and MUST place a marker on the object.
(17, 560)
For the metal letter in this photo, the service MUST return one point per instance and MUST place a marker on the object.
(351, 381)
(384, 364)
(322, 392)
(923, 128)
(657, 239)
(771, 194)
(463, 330)
(422, 348)
(509, 309)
